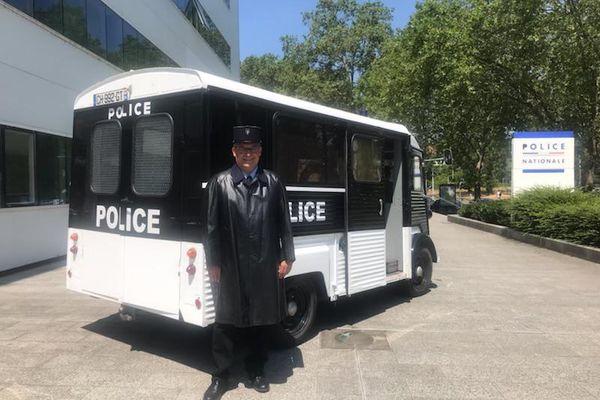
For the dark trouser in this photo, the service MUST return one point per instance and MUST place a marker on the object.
(227, 337)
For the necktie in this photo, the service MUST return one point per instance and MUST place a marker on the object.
(248, 181)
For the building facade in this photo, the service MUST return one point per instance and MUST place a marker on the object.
(50, 50)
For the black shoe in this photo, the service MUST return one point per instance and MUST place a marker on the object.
(215, 390)
(260, 384)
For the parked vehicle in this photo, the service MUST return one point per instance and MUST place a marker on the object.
(145, 144)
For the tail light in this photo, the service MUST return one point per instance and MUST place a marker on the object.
(198, 303)
(74, 237)
(191, 269)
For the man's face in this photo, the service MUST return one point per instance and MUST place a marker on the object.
(247, 155)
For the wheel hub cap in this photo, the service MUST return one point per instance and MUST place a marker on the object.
(419, 272)
(292, 308)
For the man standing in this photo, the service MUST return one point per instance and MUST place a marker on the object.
(249, 251)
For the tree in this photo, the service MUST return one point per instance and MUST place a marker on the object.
(465, 72)
(344, 38)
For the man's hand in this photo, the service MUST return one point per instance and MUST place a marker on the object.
(214, 274)
(284, 268)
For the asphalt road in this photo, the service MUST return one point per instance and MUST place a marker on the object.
(504, 320)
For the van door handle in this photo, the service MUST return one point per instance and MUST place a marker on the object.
(125, 200)
(380, 207)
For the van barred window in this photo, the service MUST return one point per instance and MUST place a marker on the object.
(106, 157)
(309, 152)
(152, 155)
(367, 159)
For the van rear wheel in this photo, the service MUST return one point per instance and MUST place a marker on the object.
(421, 272)
(301, 303)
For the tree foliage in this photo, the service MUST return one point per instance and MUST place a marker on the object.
(343, 39)
(464, 73)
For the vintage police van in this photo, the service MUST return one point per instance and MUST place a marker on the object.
(146, 142)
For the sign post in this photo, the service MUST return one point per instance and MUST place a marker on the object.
(543, 159)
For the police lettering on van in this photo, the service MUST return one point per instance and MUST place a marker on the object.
(309, 211)
(127, 219)
(127, 110)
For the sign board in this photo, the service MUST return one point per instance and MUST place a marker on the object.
(543, 159)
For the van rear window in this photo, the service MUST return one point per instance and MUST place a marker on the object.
(152, 155)
(105, 157)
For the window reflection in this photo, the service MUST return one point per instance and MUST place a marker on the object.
(19, 158)
(95, 26)
(75, 25)
(50, 13)
(200, 19)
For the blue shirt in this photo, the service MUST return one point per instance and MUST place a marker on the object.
(252, 173)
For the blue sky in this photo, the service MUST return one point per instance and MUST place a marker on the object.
(263, 22)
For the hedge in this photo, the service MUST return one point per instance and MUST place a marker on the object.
(565, 214)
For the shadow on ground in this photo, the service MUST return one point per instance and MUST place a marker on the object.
(191, 345)
(357, 308)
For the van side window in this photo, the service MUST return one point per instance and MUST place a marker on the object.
(366, 159)
(105, 149)
(307, 152)
(417, 175)
(152, 155)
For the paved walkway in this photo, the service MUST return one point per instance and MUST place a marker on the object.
(505, 321)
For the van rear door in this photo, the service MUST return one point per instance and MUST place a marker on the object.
(150, 210)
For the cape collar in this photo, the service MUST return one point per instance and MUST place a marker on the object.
(237, 175)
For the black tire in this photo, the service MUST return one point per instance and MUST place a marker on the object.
(422, 269)
(301, 306)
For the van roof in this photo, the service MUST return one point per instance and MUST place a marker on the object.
(156, 81)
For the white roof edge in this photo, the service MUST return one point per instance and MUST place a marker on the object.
(166, 80)
(188, 79)
(222, 83)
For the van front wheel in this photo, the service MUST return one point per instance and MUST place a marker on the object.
(301, 303)
(421, 272)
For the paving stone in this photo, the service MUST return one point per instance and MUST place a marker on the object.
(505, 321)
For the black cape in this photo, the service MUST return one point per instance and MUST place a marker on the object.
(249, 233)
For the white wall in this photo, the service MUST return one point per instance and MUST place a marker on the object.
(41, 73)
(31, 234)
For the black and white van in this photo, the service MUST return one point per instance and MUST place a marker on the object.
(146, 142)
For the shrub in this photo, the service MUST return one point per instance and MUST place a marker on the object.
(492, 212)
(565, 214)
(528, 208)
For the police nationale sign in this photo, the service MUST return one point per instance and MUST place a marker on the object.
(543, 159)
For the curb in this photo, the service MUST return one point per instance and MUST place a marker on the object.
(584, 252)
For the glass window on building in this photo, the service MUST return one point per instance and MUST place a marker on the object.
(19, 168)
(131, 46)
(200, 19)
(366, 159)
(75, 21)
(24, 5)
(96, 27)
(52, 166)
(114, 38)
(49, 12)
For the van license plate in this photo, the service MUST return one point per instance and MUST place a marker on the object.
(114, 96)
